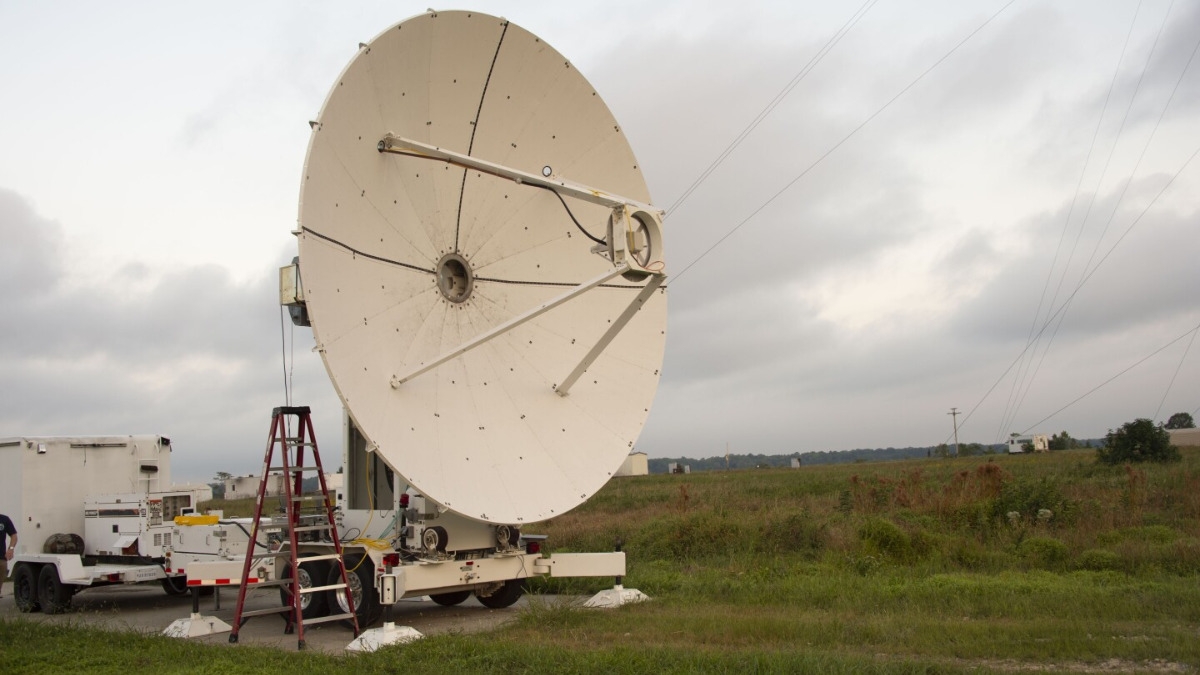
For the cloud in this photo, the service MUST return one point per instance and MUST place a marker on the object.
(190, 354)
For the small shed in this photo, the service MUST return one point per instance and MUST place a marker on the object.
(636, 464)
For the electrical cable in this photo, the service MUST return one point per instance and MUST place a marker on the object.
(572, 215)
(1083, 281)
(1094, 389)
(1014, 394)
(839, 144)
(774, 103)
(1092, 201)
(1176, 373)
(283, 354)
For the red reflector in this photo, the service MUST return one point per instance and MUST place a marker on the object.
(533, 547)
(114, 577)
(404, 501)
(391, 559)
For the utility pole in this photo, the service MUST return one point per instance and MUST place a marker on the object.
(954, 416)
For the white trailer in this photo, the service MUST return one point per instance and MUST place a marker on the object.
(397, 544)
(72, 535)
(1034, 443)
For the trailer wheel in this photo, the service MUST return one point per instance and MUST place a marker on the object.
(450, 599)
(504, 596)
(175, 586)
(25, 587)
(362, 588)
(54, 595)
(312, 605)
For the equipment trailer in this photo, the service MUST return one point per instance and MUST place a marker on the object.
(71, 538)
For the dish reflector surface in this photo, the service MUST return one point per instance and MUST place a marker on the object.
(404, 258)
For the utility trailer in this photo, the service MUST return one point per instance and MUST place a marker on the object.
(73, 536)
(397, 544)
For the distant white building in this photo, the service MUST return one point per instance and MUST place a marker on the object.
(241, 487)
(1185, 438)
(1039, 443)
(795, 462)
(202, 492)
(676, 467)
(636, 464)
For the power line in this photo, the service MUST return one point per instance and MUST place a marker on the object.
(1083, 281)
(1015, 394)
(1176, 373)
(839, 144)
(1097, 387)
(1092, 201)
(774, 103)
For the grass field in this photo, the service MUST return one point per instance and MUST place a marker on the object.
(985, 564)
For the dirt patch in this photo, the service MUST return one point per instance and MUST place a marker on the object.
(1105, 666)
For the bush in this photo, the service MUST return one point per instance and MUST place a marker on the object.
(1099, 560)
(1029, 498)
(1138, 441)
(886, 538)
(1045, 552)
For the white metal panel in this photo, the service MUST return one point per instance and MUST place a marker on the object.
(583, 565)
(57, 481)
(484, 434)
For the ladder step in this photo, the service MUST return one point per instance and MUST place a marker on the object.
(311, 528)
(294, 469)
(317, 589)
(331, 617)
(263, 612)
(323, 556)
(307, 498)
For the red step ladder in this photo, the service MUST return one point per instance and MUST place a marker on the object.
(290, 451)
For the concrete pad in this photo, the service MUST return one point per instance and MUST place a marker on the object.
(145, 608)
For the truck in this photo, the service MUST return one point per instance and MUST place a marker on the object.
(95, 511)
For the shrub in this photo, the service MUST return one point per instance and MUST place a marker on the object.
(1045, 552)
(1137, 441)
(794, 532)
(885, 537)
(1030, 497)
(1099, 560)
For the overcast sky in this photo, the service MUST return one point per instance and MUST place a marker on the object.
(150, 156)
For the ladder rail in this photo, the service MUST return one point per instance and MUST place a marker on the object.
(292, 450)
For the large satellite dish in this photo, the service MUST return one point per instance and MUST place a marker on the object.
(495, 357)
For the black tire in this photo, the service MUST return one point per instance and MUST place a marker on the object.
(54, 595)
(312, 605)
(175, 586)
(450, 599)
(505, 596)
(362, 587)
(25, 592)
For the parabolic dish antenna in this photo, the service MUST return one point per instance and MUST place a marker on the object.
(495, 357)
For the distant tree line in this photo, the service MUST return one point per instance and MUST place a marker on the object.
(1060, 441)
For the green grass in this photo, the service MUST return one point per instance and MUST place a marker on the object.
(997, 564)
